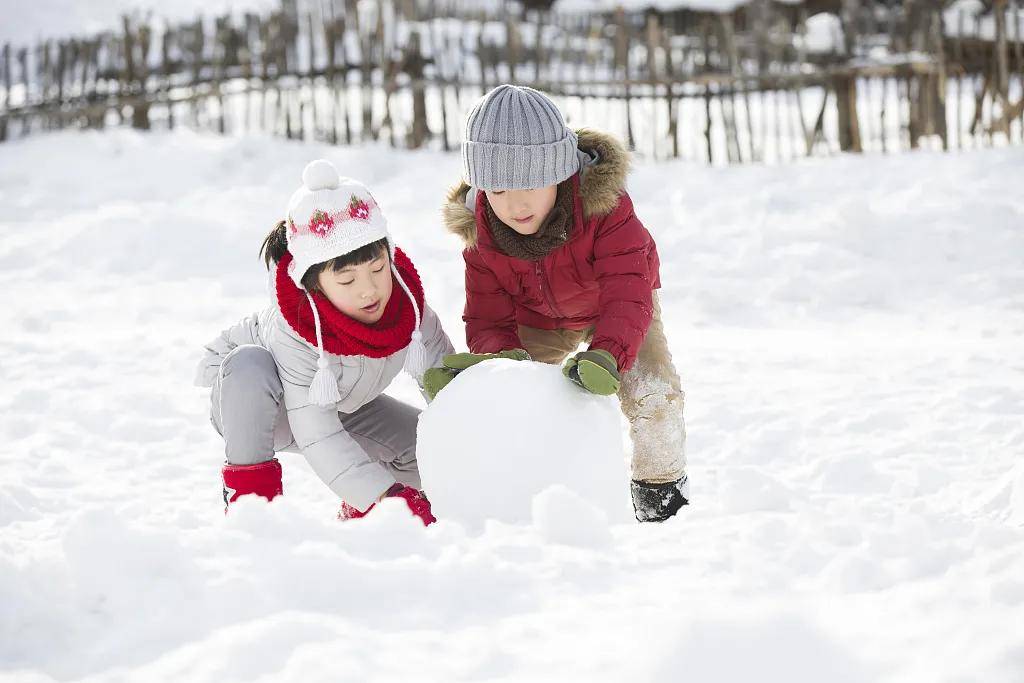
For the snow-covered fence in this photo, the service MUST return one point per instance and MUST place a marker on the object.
(759, 81)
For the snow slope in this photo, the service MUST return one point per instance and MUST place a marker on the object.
(848, 330)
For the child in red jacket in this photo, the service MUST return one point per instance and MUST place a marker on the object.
(556, 257)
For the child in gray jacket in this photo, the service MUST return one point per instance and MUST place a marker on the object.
(308, 372)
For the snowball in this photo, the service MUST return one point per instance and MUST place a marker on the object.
(320, 175)
(504, 431)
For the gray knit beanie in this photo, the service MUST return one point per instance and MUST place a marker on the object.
(516, 139)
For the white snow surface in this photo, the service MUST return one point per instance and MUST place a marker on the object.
(849, 333)
(503, 432)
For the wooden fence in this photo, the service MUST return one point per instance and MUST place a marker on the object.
(768, 82)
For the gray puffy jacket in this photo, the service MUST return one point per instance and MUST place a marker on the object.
(318, 432)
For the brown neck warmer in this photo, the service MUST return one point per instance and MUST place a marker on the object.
(553, 233)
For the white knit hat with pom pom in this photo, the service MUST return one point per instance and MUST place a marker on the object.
(330, 216)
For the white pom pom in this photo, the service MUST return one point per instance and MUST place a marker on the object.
(320, 175)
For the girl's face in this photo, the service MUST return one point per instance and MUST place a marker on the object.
(360, 291)
(523, 210)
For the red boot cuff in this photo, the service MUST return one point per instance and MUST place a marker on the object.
(261, 479)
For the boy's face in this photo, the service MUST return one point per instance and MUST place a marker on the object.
(360, 291)
(523, 210)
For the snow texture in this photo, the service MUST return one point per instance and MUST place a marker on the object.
(849, 335)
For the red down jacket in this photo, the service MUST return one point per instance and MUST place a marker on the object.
(602, 277)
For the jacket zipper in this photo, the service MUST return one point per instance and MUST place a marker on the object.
(546, 288)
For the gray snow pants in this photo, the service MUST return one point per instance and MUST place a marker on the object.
(248, 411)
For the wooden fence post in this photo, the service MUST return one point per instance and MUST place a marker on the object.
(705, 33)
(845, 86)
(725, 26)
(1002, 67)
(140, 103)
(958, 57)
(1018, 54)
(939, 93)
(7, 91)
(622, 45)
(23, 64)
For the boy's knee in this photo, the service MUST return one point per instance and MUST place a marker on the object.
(652, 376)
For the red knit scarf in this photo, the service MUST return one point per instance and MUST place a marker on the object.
(345, 336)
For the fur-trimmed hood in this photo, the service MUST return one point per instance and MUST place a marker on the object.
(602, 182)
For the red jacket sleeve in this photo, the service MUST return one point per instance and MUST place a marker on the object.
(621, 266)
(490, 315)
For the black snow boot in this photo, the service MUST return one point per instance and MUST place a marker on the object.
(658, 502)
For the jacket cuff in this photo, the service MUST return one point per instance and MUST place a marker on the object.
(206, 372)
(361, 485)
(623, 360)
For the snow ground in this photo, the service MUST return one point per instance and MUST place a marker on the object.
(848, 330)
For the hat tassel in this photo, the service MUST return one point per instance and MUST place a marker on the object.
(323, 390)
(416, 356)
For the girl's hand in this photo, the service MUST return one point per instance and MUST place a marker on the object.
(436, 379)
(463, 361)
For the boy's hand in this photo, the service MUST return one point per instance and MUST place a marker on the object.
(594, 370)
(436, 379)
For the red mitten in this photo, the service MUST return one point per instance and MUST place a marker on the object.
(417, 502)
(262, 479)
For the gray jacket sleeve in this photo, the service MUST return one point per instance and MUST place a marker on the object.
(331, 451)
(435, 341)
(246, 331)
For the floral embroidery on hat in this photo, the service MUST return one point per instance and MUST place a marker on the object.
(357, 208)
(321, 223)
(324, 222)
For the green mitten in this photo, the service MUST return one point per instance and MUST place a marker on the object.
(594, 370)
(436, 379)
(463, 361)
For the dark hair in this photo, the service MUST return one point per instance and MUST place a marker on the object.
(275, 245)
